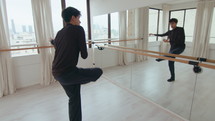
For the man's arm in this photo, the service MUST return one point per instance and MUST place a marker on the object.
(82, 44)
(162, 35)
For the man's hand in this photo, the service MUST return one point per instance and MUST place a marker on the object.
(151, 34)
(166, 40)
(52, 41)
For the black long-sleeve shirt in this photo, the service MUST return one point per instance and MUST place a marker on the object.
(176, 37)
(69, 42)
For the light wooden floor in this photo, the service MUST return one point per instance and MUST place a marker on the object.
(149, 80)
(101, 101)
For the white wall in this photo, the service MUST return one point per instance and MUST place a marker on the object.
(183, 5)
(99, 7)
(26, 70)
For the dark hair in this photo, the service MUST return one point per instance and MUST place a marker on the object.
(173, 20)
(69, 12)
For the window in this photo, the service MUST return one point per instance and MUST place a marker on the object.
(56, 15)
(82, 6)
(160, 23)
(186, 19)
(21, 26)
(155, 23)
(179, 15)
(115, 25)
(212, 39)
(106, 26)
(100, 27)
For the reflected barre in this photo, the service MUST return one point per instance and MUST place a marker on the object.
(46, 47)
(195, 63)
(167, 54)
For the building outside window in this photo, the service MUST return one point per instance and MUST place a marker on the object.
(21, 27)
(100, 27)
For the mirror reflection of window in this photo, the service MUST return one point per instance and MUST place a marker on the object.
(212, 39)
(153, 20)
(115, 25)
(155, 23)
(178, 15)
(161, 30)
(21, 27)
(186, 18)
(100, 27)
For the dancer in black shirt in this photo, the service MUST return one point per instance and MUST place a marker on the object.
(176, 38)
(69, 42)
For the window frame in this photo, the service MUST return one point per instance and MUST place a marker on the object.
(185, 12)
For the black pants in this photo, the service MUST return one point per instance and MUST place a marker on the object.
(172, 63)
(71, 83)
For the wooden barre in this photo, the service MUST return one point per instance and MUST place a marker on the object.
(168, 54)
(30, 48)
(113, 41)
(44, 47)
(161, 57)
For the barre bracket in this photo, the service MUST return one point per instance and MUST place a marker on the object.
(101, 48)
(196, 69)
(193, 63)
(202, 59)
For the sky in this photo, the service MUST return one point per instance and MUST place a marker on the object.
(21, 12)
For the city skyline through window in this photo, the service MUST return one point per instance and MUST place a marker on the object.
(21, 26)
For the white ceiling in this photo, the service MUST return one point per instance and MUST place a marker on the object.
(181, 1)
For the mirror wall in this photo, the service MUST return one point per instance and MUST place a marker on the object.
(190, 95)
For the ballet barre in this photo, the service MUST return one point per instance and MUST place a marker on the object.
(194, 63)
(46, 47)
(114, 41)
(168, 54)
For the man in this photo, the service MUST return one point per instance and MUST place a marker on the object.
(176, 38)
(69, 42)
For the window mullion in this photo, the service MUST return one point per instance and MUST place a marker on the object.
(158, 21)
